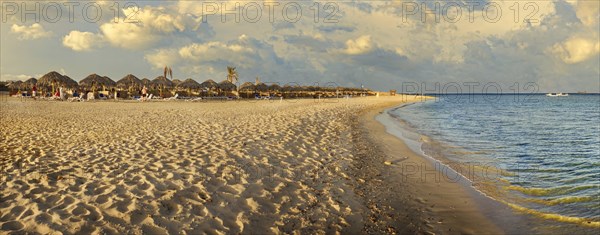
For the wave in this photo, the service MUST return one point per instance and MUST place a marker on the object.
(556, 217)
(549, 191)
(562, 200)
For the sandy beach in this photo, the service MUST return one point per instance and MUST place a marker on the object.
(292, 166)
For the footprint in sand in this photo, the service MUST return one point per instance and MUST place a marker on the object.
(125, 205)
(66, 202)
(150, 229)
(94, 213)
(52, 199)
(43, 218)
(170, 208)
(12, 226)
(80, 210)
(17, 211)
(102, 199)
(138, 216)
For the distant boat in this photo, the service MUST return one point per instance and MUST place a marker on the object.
(557, 94)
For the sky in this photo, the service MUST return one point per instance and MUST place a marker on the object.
(435, 46)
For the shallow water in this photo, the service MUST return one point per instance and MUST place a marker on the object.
(539, 155)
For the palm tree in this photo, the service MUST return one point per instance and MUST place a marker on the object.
(232, 75)
(168, 71)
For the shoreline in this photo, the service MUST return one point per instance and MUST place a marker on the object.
(442, 207)
(511, 218)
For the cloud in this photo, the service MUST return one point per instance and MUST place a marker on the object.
(334, 28)
(82, 41)
(361, 45)
(16, 77)
(576, 49)
(35, 31)
(251, 56)
(129, 36)
(143, 28)
(162, 57)
(588, 12)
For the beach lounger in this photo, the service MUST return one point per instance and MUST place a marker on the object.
(25, 95)
(77, 98)
(145, 99)
(173, 98)
(90, 96)
(195, 99)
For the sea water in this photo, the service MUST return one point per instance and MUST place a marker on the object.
(539, 155)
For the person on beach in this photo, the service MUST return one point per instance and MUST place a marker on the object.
(115, 94)
(33, 91)
(144, 93)
(61, 93)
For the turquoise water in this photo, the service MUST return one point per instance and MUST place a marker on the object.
(540, 155)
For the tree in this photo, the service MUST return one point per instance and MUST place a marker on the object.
(232, 75)
(168, 71)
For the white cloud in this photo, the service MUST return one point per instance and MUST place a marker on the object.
(82, 41)
(126, 35)
(15, 77)
(142, 28)
(212, 50)
(35, 31)
(162, 57)
(361, 45)
(576, 49)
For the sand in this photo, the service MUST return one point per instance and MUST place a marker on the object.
(292, 166)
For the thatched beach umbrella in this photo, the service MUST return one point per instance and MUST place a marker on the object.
(15, 85)
(189, 84)
(129, 82)
(274, 87)
(146, 82)
(176, 82)
(30, 82)
(50, 79)
(227, 86)
(288, 88)
(162, 83)
(209, 84)
(94, 80)
(262, 87)
(68, 82)
(247, 86)
(109, 82)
